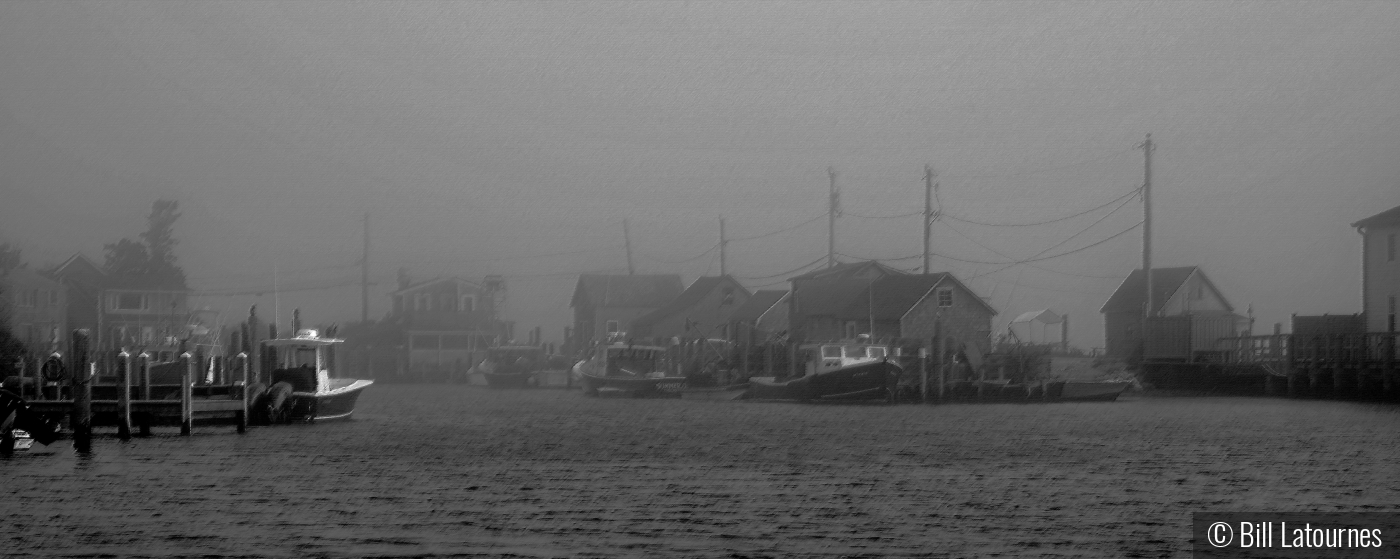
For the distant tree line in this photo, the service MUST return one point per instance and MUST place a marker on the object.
(153, 257)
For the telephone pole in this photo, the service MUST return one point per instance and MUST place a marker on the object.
(627, 240)
(722, 242)
(928, 212)
(1147, 223)
(364, 275)
(832, 209)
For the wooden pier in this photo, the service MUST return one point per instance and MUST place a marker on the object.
(66, 387)
(1327, 365)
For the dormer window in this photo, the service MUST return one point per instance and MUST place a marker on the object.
(467, 303)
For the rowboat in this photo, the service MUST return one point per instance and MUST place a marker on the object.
(834, 372)
(628, 371)
(304, 386)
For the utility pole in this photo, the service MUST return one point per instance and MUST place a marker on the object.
(364, 275)
(722, 269)
(1147, 224)
(627, 239)
(833, 202)
(928, 212)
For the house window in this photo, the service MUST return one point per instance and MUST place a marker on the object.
(148, 334)
(612, 326)
(728, 297)
(130, 302)
(468, 303)
(27, 298)
(945, 296)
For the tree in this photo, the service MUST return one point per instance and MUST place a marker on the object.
(10, 258)
(154, 258)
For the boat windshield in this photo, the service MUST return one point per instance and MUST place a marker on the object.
(854, 352)
(831, 352)
(627, 361)
(875, 352)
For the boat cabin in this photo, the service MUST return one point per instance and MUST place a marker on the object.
(635, 360)
(821, 358)
(305, 361)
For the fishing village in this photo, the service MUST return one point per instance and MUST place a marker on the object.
(853, 331)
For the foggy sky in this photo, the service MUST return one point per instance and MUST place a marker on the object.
(513, 138)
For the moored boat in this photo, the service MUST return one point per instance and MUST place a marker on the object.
(1080, 391)
(512, 366)
(834, 372)
(20, 427)
(627, 370)
(304, 375)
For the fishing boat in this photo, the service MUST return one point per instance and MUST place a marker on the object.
(625, 370)
(834, 372)
(512, 366)
(304, 382)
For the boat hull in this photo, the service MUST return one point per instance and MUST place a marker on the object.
(868, 381)
(635, 386)
(327, 406)
(719, 393)
(1090, 391)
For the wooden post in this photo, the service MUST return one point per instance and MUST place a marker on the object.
(1338, 365)
(80, 382)
(1388, 370)
(981, 383)
(923, 373)
(187, 393)
(744, 349)
(242, 392)
(124, 397)
(942, 366)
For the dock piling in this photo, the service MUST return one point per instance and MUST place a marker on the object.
(124, 397)
(143, 372)
(80, 381)
(242, 391)
(187, 393)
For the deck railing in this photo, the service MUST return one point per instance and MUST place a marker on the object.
(1373, 349)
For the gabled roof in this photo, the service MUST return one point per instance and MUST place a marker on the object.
(1165, 281)
(687, 299)
(850, 270)
(77, 264)
(1388, 217)
(886, 298)
(758, 304)
(602, 290)
(435, 281)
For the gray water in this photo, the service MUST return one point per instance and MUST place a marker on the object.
(471, 471)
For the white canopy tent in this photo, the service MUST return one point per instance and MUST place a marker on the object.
(1034, 327)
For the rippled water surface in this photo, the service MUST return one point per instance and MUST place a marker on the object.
(470, 471)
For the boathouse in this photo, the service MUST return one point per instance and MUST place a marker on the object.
(1380, 269)
(1190, 315)
(606, 304)
(701, 311)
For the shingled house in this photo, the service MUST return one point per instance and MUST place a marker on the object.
(1176, 292)
(607, 304)
(443, 321)
(701, 311)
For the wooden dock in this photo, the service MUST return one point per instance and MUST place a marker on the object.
(1345, 366)
(66, 387)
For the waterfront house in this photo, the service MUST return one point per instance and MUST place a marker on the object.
(606, 305)
(897, 307)
(1182, 296)
(148, 312)
(36, 309)
(442, 322)
(1380, 269)
(763, 316)
(701, 311)
(808, 290)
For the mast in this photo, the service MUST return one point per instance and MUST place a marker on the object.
(364, 275)
(627, 239)
(832, 202)
(722, 242)
(1147, 222)
(928, 212)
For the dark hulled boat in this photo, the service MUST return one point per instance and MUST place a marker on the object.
(834, 372)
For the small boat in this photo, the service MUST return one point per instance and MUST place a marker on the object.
(303, 379)
(624, 370)
(834, 372)
(1080, 391)
(20, 426)
(512, 366)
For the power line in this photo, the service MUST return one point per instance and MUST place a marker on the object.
(783, 230)
(1058, 219)
(895, 216)
(794, 270)
(691, 259)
